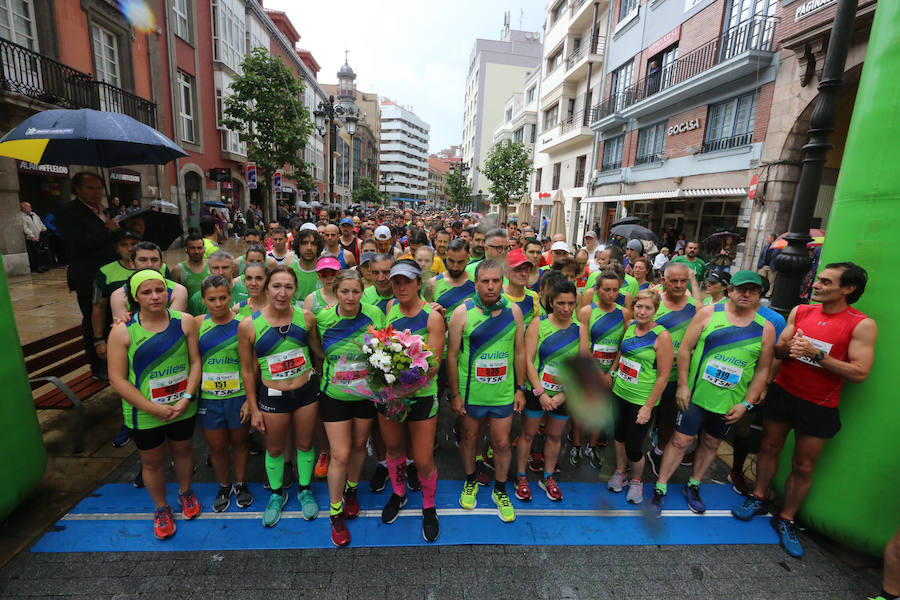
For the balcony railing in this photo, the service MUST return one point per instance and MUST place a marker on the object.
(644, 159)
(579, 177)
(727, 142)
(753, 34)
(578, 52)
(27, 73)
(611, 166)
(578, 119)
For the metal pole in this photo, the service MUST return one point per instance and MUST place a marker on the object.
(794, 262)
(332, 140)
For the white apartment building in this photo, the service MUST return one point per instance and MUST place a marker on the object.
(520, 119)
(403, 159)
(569, 84)
(496, 71)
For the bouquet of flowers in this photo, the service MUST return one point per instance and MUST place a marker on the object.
(391, 365)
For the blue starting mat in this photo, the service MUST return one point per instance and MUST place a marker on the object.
(118, 518)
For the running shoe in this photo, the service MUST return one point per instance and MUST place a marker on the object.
(321, 469)
(488, 459)
(253, 446)
(351, 504)
(163, 523)
(340, 535)
(223, 498)
(379, 478)
(635, 491)
(122, 438)
(694, 502)
(504, 506)
(392, 508)
(594, 457)
(656, 503)
(548, 484)
(482, 475)
(688, 459)
(616, 483)
(308, 504)
(272, 514)
(243, 495)
(138, 481)
(536, 462)
(787, 534)
(751, 507)
(431, 529)
(738, 483)
(655, 461)
(574, 456)
(523, 492)
(468, 498)
(412, 478)
(190, 506)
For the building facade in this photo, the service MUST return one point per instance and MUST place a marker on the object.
(571, 75)
(403, 158)
(496, 71)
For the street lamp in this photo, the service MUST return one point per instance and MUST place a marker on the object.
(334, 116)
(386, 180)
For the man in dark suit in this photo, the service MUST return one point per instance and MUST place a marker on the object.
(87, 232)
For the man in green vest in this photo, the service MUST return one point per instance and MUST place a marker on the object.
(723, 366)
(194, 270)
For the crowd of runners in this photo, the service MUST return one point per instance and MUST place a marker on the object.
(252, 343)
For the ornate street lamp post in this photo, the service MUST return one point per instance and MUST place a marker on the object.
(343, 114)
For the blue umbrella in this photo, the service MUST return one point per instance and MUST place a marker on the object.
(88, 137)
(215, 204)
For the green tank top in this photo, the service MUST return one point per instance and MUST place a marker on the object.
(606, 330)
(244, 309)
(637, 365)
(555, 346)
(724, 361)
(676, 323)
(417, 325)
(192, 281)
(239, 290)
(630, 285)
(111, 277)
(450, 296)
(241, 265)
(158, 366)
(221, 361)
(307, 282)
(318, 302)
(486, 357)
(372, 297)
(282, 352)
(529, 304)
(708, 301)
(342, 337)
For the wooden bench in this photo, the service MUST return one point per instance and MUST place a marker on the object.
(56, 360)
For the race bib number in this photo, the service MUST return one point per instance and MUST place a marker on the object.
(722, 374)
(818, 345)
(629, 370)
(351, 373)
(285, 365)
(550, 379)
(166, 390)
(491, 371)
(221, 384)
(605, 354)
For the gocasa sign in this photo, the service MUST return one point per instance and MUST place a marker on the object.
(683, 126)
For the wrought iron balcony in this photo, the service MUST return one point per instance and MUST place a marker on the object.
(581, 50)
(725, 143)
(28, 73)
(755, 34)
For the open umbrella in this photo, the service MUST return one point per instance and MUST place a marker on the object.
(316, 204)
(524, 210)
(557, 223)
(716, 240)
(164, 206)
(627, 221)
(161, 228)
(214, 204)
(303, 204)
(633, 231)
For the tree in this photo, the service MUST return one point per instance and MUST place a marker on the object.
(366, 193)
(457, 187)
(507, 166)
(266, 110)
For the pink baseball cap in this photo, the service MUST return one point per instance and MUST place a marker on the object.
(328, 262)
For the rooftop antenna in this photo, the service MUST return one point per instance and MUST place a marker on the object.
(521, 18)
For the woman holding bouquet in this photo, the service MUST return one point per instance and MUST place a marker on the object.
(410, 312)
(278, 345)
(348, 419)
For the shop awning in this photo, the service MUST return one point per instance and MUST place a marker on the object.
(542, 199)
(670, 195)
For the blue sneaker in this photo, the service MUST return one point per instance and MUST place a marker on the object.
(694, 502)
(656, 503)
(751, 507)
(122, 438)
(787, 533)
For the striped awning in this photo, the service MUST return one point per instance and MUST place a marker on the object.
(671, 195)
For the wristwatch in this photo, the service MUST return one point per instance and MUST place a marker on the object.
(747, 405)
(523, 387)
(819, 357)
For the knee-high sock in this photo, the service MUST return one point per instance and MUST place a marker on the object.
(397, 471)
(305, 463)
(275, 471)
(429, 487)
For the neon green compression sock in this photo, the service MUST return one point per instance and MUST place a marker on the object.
(275, 471)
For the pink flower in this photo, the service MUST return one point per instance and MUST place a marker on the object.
(405, 337)
(418, 355)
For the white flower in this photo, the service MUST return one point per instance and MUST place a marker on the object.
(372, 342)
(389, 378)
(367, 349)
(396, 347)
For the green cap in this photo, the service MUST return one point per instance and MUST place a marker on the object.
(744, 277)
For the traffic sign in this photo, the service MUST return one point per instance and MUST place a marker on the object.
(751, 193)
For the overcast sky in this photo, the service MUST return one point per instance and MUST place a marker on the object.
(414, 52)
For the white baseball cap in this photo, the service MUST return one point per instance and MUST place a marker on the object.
(560, 246)
(309, 226)
(382, 232)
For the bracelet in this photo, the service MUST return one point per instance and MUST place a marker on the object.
(98, 341)
(747, 405)
(187, 395)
